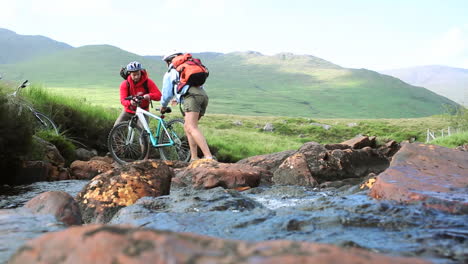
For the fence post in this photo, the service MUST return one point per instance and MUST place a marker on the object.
(448, 131)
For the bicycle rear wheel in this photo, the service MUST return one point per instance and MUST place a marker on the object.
(181, 149)
(45, 123)
(127, 144)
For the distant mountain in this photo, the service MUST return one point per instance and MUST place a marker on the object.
(244, 83)
(16, 48)
(447, 81)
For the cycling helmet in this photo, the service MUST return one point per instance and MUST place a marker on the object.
(134, 66)
(170, 56)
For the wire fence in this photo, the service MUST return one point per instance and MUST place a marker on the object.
(431, 135)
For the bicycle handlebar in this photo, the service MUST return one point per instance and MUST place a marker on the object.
(138, 99)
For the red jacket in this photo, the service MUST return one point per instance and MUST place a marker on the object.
(138, 89)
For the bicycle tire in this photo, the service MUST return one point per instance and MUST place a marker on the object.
(181, 149)
(45, 123)
(123, 152)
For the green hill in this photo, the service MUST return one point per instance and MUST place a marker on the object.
(15, 47)
(243, 83)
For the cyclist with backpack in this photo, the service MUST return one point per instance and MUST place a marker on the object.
(184, 80)
(136, 82)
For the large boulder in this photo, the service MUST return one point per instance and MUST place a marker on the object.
(86, 170)
(339, 164)
(208, 174)
(110, 191)
(435, 175)
(57, 203)
(44, 163)
(125, 244)
(294, 171)
(360, 142)
(268, 161)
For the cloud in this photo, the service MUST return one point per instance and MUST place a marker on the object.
(202, 7)
(451, 43)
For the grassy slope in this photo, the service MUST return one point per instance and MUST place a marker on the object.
(233, 136)
(243, 83)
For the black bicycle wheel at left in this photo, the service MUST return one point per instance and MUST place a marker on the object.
(43, 122)
(127, 144)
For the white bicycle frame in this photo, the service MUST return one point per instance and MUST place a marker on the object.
(154, 141)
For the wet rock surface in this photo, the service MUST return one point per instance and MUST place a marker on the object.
(344, 216)
(20, 225)
(108, 192)
(435, 175)
(336, 210)
(135, 245)
(57, 203)
(205, 173)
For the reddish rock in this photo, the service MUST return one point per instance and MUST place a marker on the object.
(176, 164)
(32, 171)
(108, 192)
(294, 171)
(85, 170)
(462, 147)
(208, 174)
(360, 142)
(336, 146)
(436, 175)
(57, 203)
(339, 164)
(103, 158)
(125, 244)
(390, 148)
(268, 161)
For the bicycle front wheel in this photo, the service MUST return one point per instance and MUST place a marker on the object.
(127, 144)
(45, 123)
(181, 149)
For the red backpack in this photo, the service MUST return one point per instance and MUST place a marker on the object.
(191, 71)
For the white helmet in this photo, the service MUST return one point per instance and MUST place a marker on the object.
(134, 66)
(171, 55)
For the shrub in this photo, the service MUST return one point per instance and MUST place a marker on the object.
(62, 143)
(16, 132)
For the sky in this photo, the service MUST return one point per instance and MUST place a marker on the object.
(372, 34)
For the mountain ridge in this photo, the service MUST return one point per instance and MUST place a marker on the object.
(451, 82)
(246, 83)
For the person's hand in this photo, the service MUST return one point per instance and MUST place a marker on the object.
(147, 97)
(174, 102)
(163, 110)
(133, 102)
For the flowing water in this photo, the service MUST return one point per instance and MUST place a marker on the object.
(344, 216)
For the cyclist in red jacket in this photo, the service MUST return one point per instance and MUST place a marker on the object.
(137, 83)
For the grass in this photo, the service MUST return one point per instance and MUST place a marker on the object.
(451, 141)
(234, 137)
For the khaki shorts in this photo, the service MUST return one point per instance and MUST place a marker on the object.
(195, 100)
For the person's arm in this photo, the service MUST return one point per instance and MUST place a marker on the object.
(124, 94)
(168, 87)
(154, 93)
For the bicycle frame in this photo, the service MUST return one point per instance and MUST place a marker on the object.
(141, 113)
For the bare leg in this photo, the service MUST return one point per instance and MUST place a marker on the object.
(195, 136)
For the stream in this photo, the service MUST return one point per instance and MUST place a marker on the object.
(345, 216)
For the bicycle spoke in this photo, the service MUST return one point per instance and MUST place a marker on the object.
(127, 145)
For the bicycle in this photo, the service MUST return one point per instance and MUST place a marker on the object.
(130, 140)
(43, 122)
